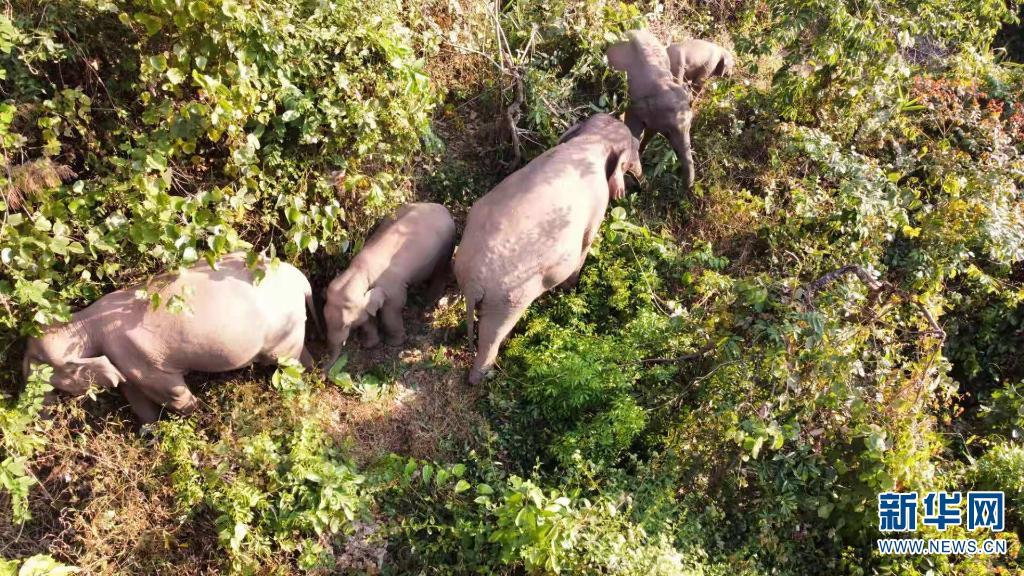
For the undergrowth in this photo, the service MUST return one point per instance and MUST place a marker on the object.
(834, 312)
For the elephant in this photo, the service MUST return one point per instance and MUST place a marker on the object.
(695, 61)
(414, 245)
(658, 104)
(226, 321)
(533, 231)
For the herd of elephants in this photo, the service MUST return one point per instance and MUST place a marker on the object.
(529, 234)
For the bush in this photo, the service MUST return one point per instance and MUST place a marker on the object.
(833, 312)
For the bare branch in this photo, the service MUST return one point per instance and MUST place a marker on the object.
(878, 290)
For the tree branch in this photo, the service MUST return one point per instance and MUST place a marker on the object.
(877, 288)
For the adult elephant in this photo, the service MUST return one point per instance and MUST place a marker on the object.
(533, 231)
(658, 104)
(229, 321)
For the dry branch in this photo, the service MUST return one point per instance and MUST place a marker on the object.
(880, 291)
(508, 66)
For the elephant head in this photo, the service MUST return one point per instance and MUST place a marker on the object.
(695, 61)
(350, 304)
(622, 148)
(76, 367)
(644, 60)
(658, 104)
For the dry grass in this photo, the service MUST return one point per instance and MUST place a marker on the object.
(102, 505)
(30, 179)
(426, 411)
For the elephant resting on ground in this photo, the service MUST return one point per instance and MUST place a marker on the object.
(658, 104)
(414, 245)
(228, 322)
(533, 231)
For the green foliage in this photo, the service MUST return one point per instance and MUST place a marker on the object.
(218, 127)
(39, 565)
(22, 439)
(477, 518)
(276, 484)
(712, 398)
(1002, 468)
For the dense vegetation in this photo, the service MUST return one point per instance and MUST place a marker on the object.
(836, 310)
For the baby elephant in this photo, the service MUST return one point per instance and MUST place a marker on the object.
(696, 61)
(414, 245)
(228, 321)
(533, 231)
(658, 104)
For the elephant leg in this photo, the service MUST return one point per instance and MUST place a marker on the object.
(494, 326)
(169, 390)
(438, 282)
(371, 337)
(680, 139)
(634, 122)
(145, 409)
(306, 359)
(292, 347)
(574, 278)
(588, 240)
(391, 318)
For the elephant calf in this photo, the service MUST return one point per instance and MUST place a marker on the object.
(695, 61)
(414, 245)
(658, 104)
(533, 231)
(228, 322)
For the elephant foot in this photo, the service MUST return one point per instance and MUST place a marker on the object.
(371, 342)
(184, 406)
(476, 376)
(395, 340)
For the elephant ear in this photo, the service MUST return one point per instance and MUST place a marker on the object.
(725, 64)
(616, 179)
(620, 56)
(571, 133)
(374, 300)
(98, 370)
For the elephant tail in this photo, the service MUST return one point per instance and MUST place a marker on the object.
(472, 302)
(312, 312)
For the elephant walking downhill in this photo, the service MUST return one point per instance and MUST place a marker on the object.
(533, 231)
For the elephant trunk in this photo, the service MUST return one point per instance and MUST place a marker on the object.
(337, 343)
(26, 366)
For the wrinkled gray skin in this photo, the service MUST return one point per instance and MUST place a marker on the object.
(414, 245)
(532, 232)
(228, 323)
(694, 62)
(658, 104)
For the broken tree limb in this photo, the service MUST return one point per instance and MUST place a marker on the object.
(508, 66)
(880, 290)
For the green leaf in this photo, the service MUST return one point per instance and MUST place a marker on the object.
(175, 76)
(461, 486)
(150, 22)
(156, 161)
(158, 62)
